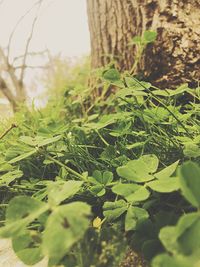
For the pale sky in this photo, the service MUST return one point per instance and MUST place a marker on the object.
(62, 26)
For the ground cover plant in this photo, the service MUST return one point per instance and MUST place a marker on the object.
(113, 167)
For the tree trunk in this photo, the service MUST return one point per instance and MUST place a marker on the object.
(8, 94)
(175, 56)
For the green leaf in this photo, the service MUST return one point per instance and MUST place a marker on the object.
(108, 120)
(23, 156)
(39, 140)
(96, 177)
(133, 216)
(92, 117)
(31, 141)
(190, 182)
(9, 177)
(184, 237)
(65, 226)
(131, 192)
(191, 150)
(135, 170)
(4, 167)
(21, 207)
(164, 260)
(107, 177)
(100, 178)
(27, 250)
(181, 89)
(167, 172)
(139, 195)
(151, 162)
(189, 241)
(168, 237)
(137, 40)
(22, 210)
(150, 36)
(160, 92)
(98, 190)
(48, 141)
(135, 145)
(131, 91)
(165, 185)
(59, 191)
(30, 256)
(111, 75)
(134, 84)
(125, 189)
(185, 222)
(112, 210)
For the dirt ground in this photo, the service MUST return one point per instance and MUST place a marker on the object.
(132, 259)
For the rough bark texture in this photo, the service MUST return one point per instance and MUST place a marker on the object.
(175, 56)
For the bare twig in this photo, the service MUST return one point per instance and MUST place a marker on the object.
(31, 67)
(29, 40)
(7, 131)
(31, 54)
(17, 24)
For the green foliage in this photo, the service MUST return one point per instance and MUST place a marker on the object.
(64, 227)
(190, 183)
(148, 37)
(141, 42)
(111, 75)
(129, 159)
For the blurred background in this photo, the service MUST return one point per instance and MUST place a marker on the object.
(38, 38)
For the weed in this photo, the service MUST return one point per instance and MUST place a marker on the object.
(127, 164)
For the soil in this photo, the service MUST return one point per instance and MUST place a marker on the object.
(133, 259)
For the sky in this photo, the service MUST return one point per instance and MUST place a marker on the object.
(61, 28)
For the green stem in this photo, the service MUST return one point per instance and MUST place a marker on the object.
(138, 58)
(101, 137)
(67, 168)
(155, 97)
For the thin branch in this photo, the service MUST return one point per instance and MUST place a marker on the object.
(8, 130)
(29, 40)
(31, 67)
(31, 54)
(17, 24)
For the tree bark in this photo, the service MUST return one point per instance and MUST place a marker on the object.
(175, 56)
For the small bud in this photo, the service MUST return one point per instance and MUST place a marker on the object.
(97, 223)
